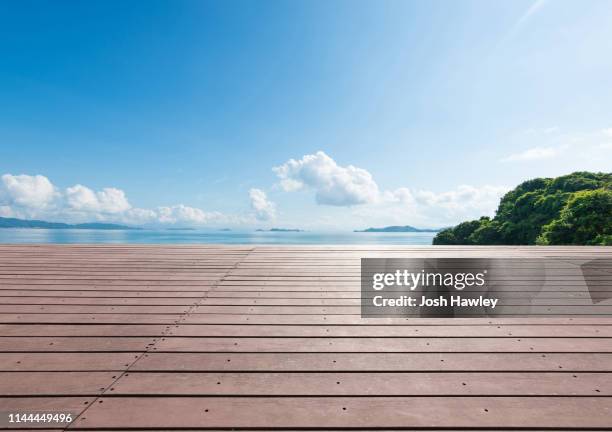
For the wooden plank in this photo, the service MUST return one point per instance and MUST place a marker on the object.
(382, 331)
(98, 263)
(286, 344)
(354, 286)
(329, 319)
(102, 293)
(96, 284)
(363, 384)
(55, 383)
(75, 344)
(36, 330)
(108, 301)
(583, 299)
(337, 412)
(113, 288)
(414, 330)
(25, 429)
(73, 318)
(414, 362)
(389, 345)
(53, 309)
(107, 277)
(115, 273)
(324, 295)
(595, 310)
(68, 362)
(150, 318)
(388, 331)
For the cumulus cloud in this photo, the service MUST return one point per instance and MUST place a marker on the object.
(263, 208)
(185, 214)
(141, 216)
(27, 191)
(26, 196)
(333, 184)
(401, 195)
(430, 209)
(463, 197)
(108, 200)
(337, 185)
(462, 202)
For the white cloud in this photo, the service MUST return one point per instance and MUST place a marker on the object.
(401, 195)
(7, 211)
(25, 196)
(29, 192)
(534, 153)
(429, 209)
(140, 216)
(108, 200)
(185, 214)
(464, 201)
(463, 198)
(400, 206)
(264, 208)
(333, 184)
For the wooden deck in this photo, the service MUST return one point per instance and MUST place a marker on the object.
(219, 337)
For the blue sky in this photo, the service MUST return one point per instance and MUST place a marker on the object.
(423, 112)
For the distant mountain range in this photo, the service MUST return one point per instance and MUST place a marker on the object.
(22, 223)
(395, 229)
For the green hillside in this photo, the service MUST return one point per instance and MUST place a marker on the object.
(575, 209)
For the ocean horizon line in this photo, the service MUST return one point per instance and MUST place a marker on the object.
(209, 236)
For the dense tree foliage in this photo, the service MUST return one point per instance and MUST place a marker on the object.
(572, 209)
(585, 219)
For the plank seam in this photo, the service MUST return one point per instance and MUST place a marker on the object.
(165, 332)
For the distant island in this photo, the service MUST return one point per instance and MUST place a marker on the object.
(23, 223)
(180, 229)
(280, 230)
(398, 229)
(574, 209)
(225, 229)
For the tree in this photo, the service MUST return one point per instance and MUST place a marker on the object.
(489, 232)
(458, 235)
(585, 220)
(535, 212)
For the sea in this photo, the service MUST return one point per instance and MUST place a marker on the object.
(146, 236)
